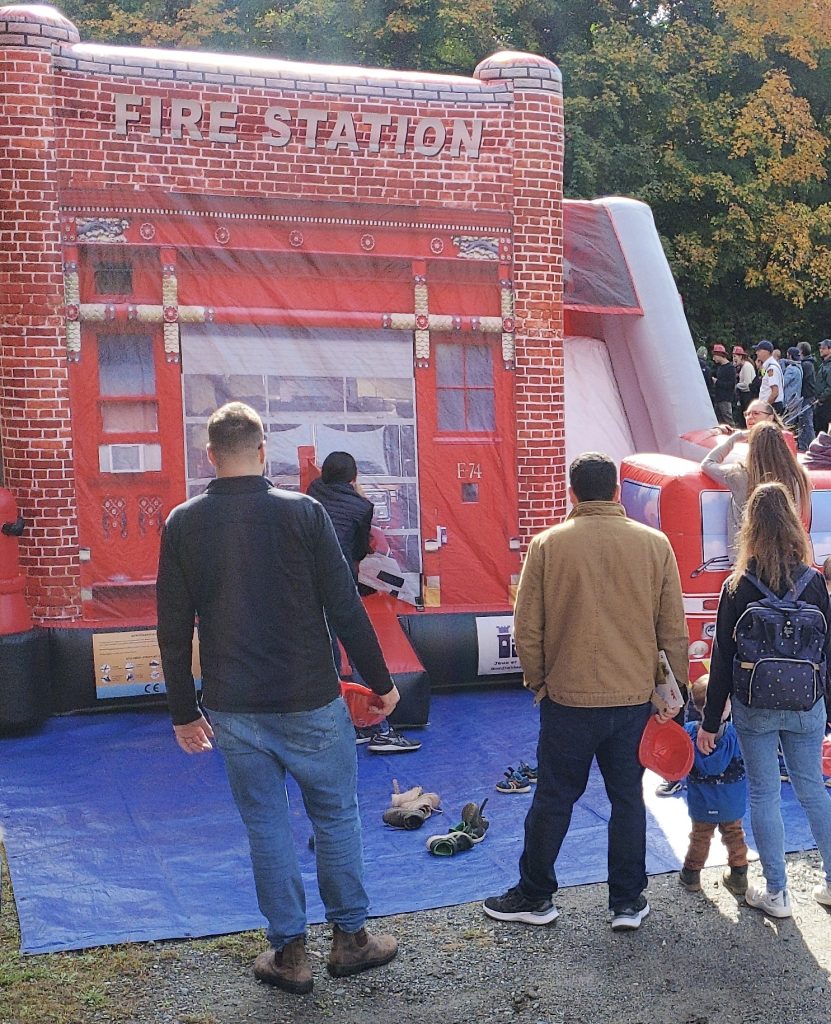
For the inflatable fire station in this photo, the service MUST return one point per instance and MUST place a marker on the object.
(377, 261)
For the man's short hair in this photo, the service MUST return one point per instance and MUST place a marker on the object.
(804, 348)
(234, 429)
(339, 468)
(593, 477)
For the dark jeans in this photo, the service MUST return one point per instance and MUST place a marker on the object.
(570, 739)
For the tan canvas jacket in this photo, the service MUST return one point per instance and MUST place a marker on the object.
(598, 597)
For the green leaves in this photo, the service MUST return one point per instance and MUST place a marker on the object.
(715, 112)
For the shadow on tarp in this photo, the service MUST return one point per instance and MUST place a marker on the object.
(114, 835)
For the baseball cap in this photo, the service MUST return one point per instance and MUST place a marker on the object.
(738, 351)
(719, 350)
(825, 343)
(793, 352)
(766, 345)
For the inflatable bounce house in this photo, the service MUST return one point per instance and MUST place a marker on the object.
(379, 262)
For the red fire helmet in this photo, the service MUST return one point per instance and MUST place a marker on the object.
(362, 704)
(826, 756)
(666, 749)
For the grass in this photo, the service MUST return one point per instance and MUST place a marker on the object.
(70, 988)
(58, 988)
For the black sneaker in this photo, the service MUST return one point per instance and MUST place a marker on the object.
(668, 789)
(364, 735)
(628, 918)
(513, 906)
(392, 742)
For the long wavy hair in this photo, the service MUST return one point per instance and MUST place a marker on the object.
(770, 460)
(772, 537)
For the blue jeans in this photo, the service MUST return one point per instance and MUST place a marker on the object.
(800, 733)
(570, 739)
(318, 749)
(806, 429)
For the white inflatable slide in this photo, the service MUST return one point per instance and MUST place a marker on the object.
(638, 387)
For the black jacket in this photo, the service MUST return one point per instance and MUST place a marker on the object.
(724, 383)
(730, 608)
(263, 571)
(351, 516)
(809, 379)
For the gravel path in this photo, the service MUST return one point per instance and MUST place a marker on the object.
(698, 959)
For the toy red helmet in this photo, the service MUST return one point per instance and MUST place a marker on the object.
(362, 704)
(666, 749)
(826, 756)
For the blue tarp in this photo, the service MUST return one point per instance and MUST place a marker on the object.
(114, 835)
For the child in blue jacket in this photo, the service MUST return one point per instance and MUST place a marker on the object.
(716, 796)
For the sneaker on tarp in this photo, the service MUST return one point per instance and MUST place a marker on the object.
(529, 771)
(392, 742)
(470, 830)
(627, 918)
(514, 782)
(774, 904)
(513, 906)
(669, 788)
(364, 735)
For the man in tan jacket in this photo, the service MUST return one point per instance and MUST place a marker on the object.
(598, 598)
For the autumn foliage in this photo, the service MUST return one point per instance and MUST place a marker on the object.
(715, 112)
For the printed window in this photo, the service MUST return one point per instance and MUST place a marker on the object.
(114, 279)
(465, 388)
(127, 384)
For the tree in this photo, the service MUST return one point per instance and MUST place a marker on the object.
(192, 24)
(715, 112)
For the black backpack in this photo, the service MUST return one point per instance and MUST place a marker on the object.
(780, 650)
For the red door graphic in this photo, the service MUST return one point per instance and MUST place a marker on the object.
(129, 459)
(467, 474)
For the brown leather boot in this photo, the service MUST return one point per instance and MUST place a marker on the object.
(353, 953)
(288, 968)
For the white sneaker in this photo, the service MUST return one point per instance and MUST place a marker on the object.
(775, 904)
(822, 894)
(628, 919)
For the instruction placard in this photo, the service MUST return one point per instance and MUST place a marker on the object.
(129, 663)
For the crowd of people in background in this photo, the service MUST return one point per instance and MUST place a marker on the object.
(796, 384)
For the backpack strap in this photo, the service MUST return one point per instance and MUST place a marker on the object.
(800, 586)
(792, 595)
(764, 590)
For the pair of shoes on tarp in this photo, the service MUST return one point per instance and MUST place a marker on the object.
(464, 836)
(410, 809)
(518, 780)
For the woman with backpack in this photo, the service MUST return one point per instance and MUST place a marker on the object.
(770, 655)
(768, 458)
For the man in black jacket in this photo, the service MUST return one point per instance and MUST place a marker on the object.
(263, 572)
(350, 512)
(809, 394)
(351, 515)
(822, 408)
(724, 385)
